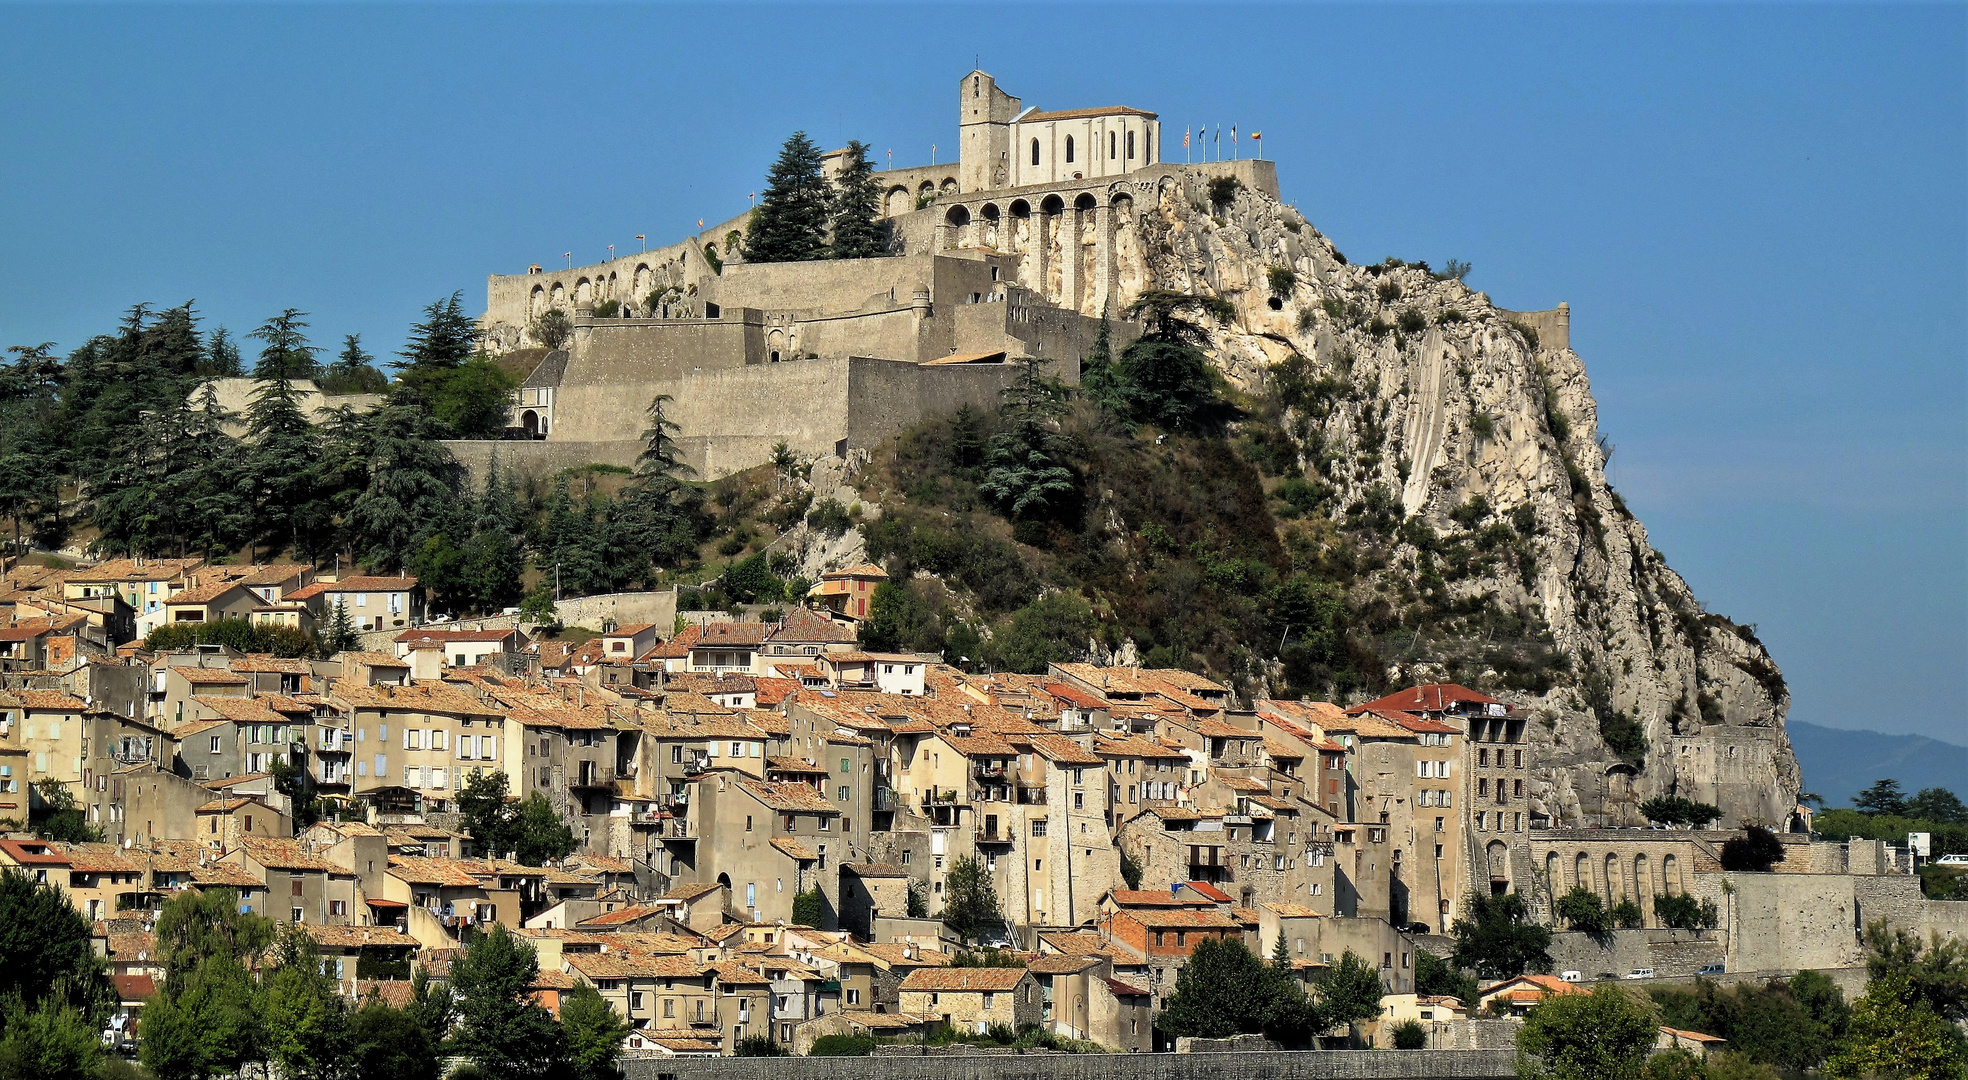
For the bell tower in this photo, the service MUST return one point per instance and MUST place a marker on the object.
(984, 116)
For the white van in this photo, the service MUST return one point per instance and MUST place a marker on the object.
(1640, 973)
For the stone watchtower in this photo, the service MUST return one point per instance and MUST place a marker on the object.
(984, 116)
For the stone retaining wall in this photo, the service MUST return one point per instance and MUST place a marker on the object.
(1258, 1065)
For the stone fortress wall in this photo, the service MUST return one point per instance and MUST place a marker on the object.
(978, 279)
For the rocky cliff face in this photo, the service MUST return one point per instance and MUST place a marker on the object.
(1428, 405)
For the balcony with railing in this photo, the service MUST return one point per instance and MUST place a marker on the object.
(591, 775)
(1031, 795)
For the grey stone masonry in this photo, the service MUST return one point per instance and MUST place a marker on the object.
(1257, 1065)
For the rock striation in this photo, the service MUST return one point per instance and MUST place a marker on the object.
(1433, 398)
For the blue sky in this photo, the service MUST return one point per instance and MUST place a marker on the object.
(1758, 213)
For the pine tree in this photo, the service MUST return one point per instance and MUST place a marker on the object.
(287, 354)
(285, 447)
(354, 371)
(215, 485)
(30, 462)
(412, 487)
(650, 521)
(1025, 472)
(438, 346)
(493, 563)
(857, 225)
(222, 356)
(790, 224)
(340, 634)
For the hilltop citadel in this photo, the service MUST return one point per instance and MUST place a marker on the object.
(998, 256)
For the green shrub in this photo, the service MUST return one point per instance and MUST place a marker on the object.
(1448, 316)
(1412, 322)
(843, 1046)
(1379, 327)
(1389, 290)
(1282, 280)
(1223, 189)
(1410, 1035)
(1482, 425)
(830, 517)
(1526, 331)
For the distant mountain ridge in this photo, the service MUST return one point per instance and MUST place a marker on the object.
(1838, 763)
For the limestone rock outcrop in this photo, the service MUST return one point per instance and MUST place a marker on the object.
(1431, 396)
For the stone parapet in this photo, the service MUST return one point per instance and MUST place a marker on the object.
(1271, 1064)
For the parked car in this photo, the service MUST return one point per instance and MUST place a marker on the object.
(1572, 976)
(1640, 973)
(1415, 928)
(1952, 860)
(1713, 969)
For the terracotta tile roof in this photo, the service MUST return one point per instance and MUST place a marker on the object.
(866, 570)
(49, 701)
(32, 853)
(1429, 697)
(263, 663)
(1181, 919)
(454, 873)
(875, 1021)
(373, 659)
(1035, 116)
(287, 855)
(421, 697)
(1158, 898)
(240, 710)
(114, 570)
(622, 916)
(1421, 724)
(134, 987)
(1060, 749)
(603, 864)
(898, 954)
(691, 892)
(1367, 726)
(1208, 891)
(1695, 1036)
(370, 584)
(734, 974)
(228, 804)
(1293, 911)
(612, 965)
(795, 848)
(203, 594)
(959, 980)
(98, 859)
(875, 870)
(360, 937)
(1135, 746)
(789, 798)
(396, 993)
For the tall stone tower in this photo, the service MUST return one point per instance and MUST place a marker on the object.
(984, 116)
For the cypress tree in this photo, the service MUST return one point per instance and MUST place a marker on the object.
(790, 224)
(858, 229)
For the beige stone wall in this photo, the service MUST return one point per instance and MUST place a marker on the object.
(1785, 921)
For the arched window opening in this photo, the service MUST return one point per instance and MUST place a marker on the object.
(1086, 201)
(1069, 149)
(1035, 151)
(1130, 146)
(1113, 141)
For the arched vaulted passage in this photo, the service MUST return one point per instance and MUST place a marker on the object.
(1086, 201)
(958, 215)
(1053, 204)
